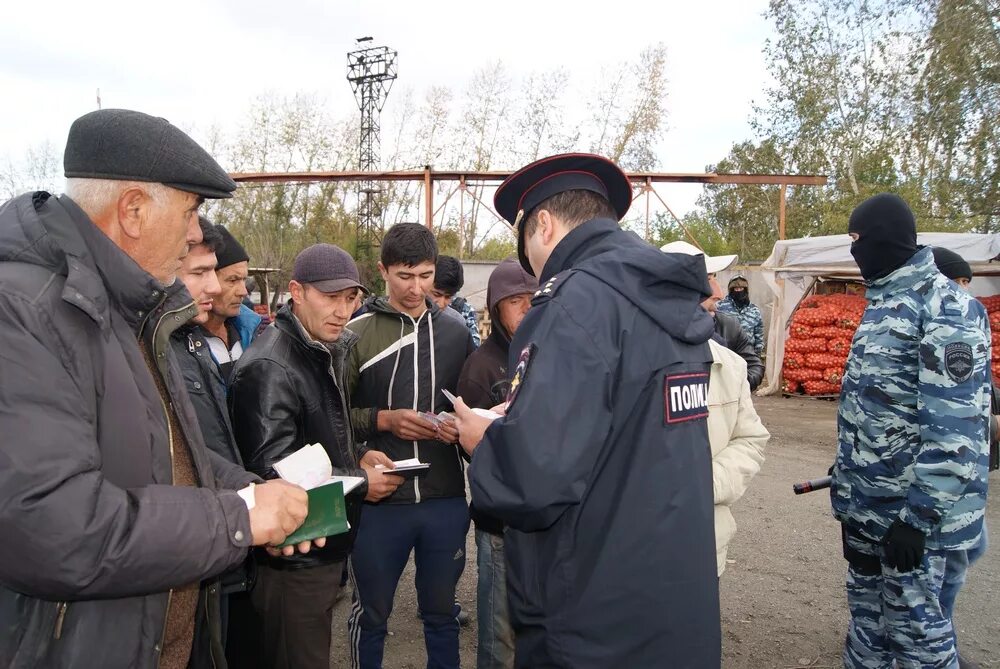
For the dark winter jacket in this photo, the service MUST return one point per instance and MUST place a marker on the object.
(95, 534)
(484, 381)
(601, 468)
(207, 390)
(288, 392)
(731, 335)
(403, 363)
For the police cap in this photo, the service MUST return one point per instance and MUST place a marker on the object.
(533, 184)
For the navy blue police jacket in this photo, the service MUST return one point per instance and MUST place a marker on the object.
(601, 469)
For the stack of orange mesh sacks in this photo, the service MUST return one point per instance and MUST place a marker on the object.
(819, 340)
(992, 304)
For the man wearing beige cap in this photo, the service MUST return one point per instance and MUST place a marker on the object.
(287, 391)
(728, 330)
(116, 518)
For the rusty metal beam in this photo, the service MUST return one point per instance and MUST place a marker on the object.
(498, 176)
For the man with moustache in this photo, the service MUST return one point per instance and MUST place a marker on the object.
(288, 391)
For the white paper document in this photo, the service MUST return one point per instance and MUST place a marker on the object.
(310, 467)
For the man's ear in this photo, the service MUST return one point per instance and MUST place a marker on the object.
(133, 211)
(546, 227)
(297, 291)
(383, 271)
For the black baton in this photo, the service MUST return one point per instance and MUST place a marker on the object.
(809, 486)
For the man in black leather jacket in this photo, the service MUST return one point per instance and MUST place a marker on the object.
(288, 391)
(728, 330)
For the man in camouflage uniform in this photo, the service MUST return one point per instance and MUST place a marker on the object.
(909, 482)
(738, 303)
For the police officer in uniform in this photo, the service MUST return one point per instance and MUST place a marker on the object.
(909, 482)
(601, 468)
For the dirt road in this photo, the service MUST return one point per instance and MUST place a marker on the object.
(782, 594)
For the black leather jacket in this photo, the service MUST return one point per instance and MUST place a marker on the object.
(731, 335)
(287, 392)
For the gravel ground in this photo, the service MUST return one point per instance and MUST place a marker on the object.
(782, 594)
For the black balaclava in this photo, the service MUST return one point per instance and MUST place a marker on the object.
(739, 292)
(887, 235)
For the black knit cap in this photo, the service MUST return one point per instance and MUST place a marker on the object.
(231, 252)
(125, 145)
(533, 184)
(951, 264)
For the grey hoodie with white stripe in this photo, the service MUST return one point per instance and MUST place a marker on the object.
(403, 363)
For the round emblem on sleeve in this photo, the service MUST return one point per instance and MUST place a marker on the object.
(958, 361)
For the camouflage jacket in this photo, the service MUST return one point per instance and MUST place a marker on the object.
(750, 319)
(914, 411)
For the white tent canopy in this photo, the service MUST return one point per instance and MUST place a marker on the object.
(796, 264)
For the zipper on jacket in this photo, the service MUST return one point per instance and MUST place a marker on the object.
(60, 617)
(170, 440)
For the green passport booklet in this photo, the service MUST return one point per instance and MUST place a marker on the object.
(327, 512)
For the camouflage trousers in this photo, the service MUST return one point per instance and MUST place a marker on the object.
(895, 617)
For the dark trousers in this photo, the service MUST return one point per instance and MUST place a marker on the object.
(435, 530)
(296, 608)
(243, 631)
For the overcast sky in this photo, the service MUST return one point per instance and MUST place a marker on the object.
(202, 63)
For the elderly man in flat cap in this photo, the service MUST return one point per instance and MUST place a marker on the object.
(601, 468)
(116, 518)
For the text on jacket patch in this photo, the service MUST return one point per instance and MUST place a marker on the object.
(685, 397)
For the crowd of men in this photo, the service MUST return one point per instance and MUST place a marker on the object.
(605, 427)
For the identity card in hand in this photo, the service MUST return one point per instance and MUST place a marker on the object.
(407, 468)
(484, 413)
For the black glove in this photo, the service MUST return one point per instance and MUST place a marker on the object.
(904, 546)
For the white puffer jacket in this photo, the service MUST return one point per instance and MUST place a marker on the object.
(737, 437)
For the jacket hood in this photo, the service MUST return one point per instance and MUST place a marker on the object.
(667, 287)
(508, 279)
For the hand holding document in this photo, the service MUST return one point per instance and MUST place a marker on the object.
(406, 468)
(482, 413)
(472, 423)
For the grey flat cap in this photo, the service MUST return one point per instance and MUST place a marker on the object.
(131, 146)
(327, 268)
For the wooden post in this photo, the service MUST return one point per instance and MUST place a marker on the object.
(781, 212)
(428, 197)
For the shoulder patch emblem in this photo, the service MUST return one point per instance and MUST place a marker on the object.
(685, 397)
(958, 361)
(520, 373)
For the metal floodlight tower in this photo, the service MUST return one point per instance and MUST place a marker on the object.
(371, 71)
